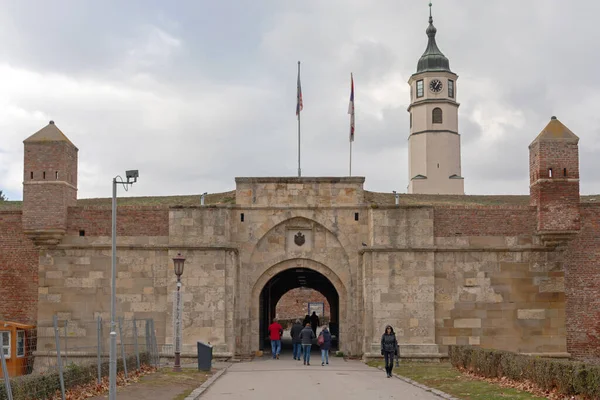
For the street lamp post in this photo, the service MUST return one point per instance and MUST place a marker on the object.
(178, 262)
(112, 373)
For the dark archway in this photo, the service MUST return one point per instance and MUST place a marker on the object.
(290, 279)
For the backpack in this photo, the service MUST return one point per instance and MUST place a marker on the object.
(320, 340)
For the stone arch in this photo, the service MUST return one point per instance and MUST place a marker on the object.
(275, 269)
(260, 265)
(309, 215)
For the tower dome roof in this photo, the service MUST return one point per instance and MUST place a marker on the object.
(432, 59)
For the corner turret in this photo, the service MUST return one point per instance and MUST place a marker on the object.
(49, 184)
(554, 182)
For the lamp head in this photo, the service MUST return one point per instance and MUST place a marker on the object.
(132, 174)
(178, 262)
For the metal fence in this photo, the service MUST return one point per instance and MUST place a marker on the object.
(58, 355)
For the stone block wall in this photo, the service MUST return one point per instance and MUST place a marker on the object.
(401, 227)
(299, 191)
(77, 280)
(400, 292)
(208, 285)
(18, 271)
(209, 226)
(582, 283)
(510, 300)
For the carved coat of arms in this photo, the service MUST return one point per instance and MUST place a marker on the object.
(299, 239)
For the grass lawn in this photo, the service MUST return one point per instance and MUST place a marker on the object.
(444, 377)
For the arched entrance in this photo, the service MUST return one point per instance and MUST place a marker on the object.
(290, 279)
(287, 275)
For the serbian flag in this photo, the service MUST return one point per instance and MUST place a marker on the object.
(299, 95)
(351, 108)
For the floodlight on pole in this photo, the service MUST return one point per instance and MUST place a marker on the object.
(132, 176)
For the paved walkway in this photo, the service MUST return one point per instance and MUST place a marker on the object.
(285, 378)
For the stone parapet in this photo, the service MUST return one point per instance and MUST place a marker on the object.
(325, 191)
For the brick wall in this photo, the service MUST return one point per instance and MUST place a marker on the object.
(131, 221)
(582, 286)
(484, 221)
(45, 159)
(49, 184)
(294, 304)
(45, 205)
(18, 271)
(558, 205)
(554, 183)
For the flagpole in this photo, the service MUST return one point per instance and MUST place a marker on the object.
(299, 112)
(350, 174)
(351, 112)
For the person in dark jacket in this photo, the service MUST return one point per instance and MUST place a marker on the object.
(389, 348)
(306, 320)
(306, 337)
(325, 346)
(295, 333)
(314, 322)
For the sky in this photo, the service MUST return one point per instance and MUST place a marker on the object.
(196, 93)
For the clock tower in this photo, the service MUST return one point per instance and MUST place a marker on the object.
(434, 142)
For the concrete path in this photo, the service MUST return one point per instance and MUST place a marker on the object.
(290, 380)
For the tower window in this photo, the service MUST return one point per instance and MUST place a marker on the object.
(550, 172)
(450, 88)
(356, 216)
(56, 176)
(44, 175)
(242, 217)
(31, 175)
(420, 88)
(565, 172)
(437, 115)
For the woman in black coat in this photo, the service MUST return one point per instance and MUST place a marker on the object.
(389, 348)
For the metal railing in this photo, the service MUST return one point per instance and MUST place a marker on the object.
(59, 355)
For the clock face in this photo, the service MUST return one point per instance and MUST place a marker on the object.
(435, 86)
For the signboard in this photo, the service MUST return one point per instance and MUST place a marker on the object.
(317, 307)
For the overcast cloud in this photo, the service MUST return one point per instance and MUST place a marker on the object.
(195, 93)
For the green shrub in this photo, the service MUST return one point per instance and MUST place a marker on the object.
(567, 377)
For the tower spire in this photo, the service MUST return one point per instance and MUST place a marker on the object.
(432, 59)
(430, 17)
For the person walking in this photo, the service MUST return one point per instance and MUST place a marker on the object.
(306, 320)
(389, 348)
(275, 332)
(324, 341)
(306, 337)
(314, 322)
(295, 334)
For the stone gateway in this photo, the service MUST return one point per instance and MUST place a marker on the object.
(508, 272)
(519, 273)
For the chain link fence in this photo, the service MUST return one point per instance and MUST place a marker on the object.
(57, 355)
